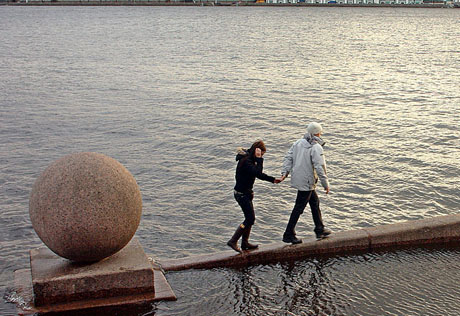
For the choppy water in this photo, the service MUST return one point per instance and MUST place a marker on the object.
(171, 92)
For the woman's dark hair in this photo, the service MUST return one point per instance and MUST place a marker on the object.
(252, 152)
(258, 144)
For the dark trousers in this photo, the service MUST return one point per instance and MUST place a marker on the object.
(304, 197)
(245, 201)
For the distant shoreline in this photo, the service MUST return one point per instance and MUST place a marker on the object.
(217, 4)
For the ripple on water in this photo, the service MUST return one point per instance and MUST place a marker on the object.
(391, 283)
(174, 113)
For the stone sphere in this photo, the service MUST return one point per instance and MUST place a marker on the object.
(85, 207)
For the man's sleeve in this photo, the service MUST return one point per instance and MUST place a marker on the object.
(288, 161)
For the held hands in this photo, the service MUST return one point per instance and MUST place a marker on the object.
(279, 180)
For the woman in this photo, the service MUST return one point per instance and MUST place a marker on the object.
(250, 166)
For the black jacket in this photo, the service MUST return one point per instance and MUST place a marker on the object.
(248, 169)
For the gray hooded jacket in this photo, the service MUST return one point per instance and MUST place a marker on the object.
(305, 161)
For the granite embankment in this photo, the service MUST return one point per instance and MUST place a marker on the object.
(437, 230)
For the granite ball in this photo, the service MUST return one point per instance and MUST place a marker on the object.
(85, 207)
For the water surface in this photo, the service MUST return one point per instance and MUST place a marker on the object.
(171, 92)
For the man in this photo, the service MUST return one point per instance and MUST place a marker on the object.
(305, 162)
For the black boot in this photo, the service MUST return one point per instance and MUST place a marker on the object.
(245, 245)
(233, 242)
(322, 233)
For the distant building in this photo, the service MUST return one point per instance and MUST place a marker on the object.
(281, 1)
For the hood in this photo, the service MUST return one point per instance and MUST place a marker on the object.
(312, 139)
(240, 153)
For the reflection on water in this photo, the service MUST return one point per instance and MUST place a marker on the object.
(405, 282)
(171, 92)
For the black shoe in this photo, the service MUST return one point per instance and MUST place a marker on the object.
(292, 240)
(323, 234)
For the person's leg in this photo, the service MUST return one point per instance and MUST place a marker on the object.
(245, 202)
(316, 211)
(248, 209)
(249, 219)
(320, 231)
(300, 204)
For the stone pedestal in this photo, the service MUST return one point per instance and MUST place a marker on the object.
(55, 284)
(57, 280)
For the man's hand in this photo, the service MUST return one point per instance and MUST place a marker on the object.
(258, 153)
(327, 190)
(278, 180)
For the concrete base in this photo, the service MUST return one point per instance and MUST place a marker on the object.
(54, 284)
(437, 230)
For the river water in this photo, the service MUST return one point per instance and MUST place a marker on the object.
(170, 92)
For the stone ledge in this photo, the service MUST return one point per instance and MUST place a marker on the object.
(441, 229)
(436, 230)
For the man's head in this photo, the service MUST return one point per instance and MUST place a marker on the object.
(314, 128)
